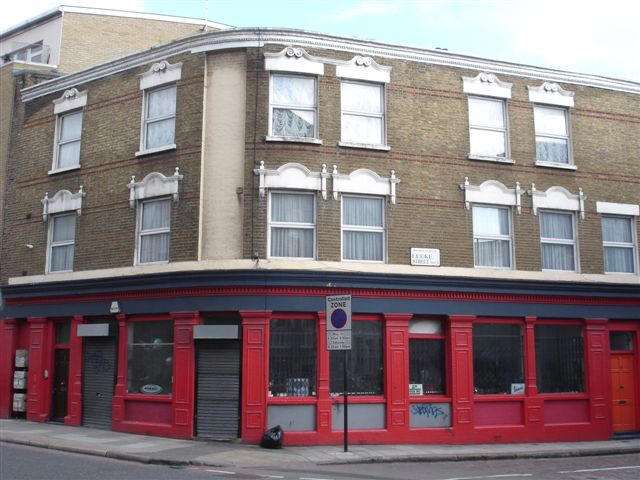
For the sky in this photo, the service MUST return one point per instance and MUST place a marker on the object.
(587, 36)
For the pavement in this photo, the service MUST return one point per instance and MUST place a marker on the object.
(167, 451)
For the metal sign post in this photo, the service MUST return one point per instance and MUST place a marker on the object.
(339, 338)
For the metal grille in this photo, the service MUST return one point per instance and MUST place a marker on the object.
(98, 380)
(426, 364)
(498, 360)
(292, 358)
(559, 358)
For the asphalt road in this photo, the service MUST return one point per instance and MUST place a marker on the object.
(28, 463)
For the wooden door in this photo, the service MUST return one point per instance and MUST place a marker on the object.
(623, 383)
(60, 384)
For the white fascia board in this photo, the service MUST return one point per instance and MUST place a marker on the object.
(618, 208)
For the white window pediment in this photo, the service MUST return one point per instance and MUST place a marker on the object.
(486, 84)
(293, 59)
(492, 192)
(551, 94)
(366, 182)
(557, 198)
(161, 73)
(71, 99)
(292, 176)
(364, 68)
(618, 208)
(154, 184)
(62, 201)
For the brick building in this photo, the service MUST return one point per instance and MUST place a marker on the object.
(165, 265)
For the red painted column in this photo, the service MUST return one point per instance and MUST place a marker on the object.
(397, 373)
(598, 375)
(184, 372)
(74, 401)
(461, 337)
(533, 404)
(40, 366)
(255, 373)
(118, 410)
(8, 342)
(323, 413)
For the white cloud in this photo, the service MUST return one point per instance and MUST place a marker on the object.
(364, 9)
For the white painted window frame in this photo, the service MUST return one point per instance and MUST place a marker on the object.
(383, 116)
(358, 228)
(277, 138)
(567, 137)
(633, 245)
(561, 241)
(505, 131)
(56, 149)
(144, 122)
(140, 232)
(51, 244)
(495, 237)
(310, 226)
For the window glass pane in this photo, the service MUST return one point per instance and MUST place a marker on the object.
(618, 259)
(621, 341)
(492, 253)
(556, 225)
(156, 214)
(362, 246)
(485, 142)
(70, 126)
(486, 113)
(161, 133)
(359, 129)
(64, 228)
(559, 358)
(61, 258)
(362, 211)
(490, 221)
(292, 242)
(356, 97)
(616, 229)
(550, 120)
(294, 91)
(150, 357)
(552, 150)
(365, 361)
(433, 327)
(292, 358)
(63, 331)
(426, 364)
(293, 123)
(161, 103)
(498, 360)
(154, 248)
(557, 257)
(69, 154)
(291, 207)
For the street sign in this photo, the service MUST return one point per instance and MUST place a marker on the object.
(339, 322)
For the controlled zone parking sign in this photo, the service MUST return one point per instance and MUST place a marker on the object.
(339, 322)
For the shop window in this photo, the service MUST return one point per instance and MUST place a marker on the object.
(362, 113)
(150, 357)
(292, 225)
(292, 358)
(619, 245)
(293, 106)
(491, 236)
(63, 332)
(558, 241)
(621, 341)
(365, 361)
(498, 359)
(363, 228)
(62, 233)
(426, 357)
(154, 218)
(559, 358)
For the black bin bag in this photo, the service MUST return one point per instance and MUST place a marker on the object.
(273, 438)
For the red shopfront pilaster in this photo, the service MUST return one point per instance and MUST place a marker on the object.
(397, 376)
(255, 373)
(323, 419)
(184, 368)
(533, 404)
(461, 335)
(120, 389)
(8, 344)
(597, 373)
(74, 417)
(40, 369)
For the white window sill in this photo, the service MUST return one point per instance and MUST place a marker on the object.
(149, 151)
(58, 271)
(162, 262)
(314, 141)
(488, 158)
(348, 260)
(294, 259)
(492, 268)
(621, 273)
(559, 271)
(65, 169)
(369, 146)
(564, 166)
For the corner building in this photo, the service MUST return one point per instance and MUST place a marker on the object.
(175, 218)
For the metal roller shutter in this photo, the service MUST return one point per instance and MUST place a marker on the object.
(98, 379)
(218, 389)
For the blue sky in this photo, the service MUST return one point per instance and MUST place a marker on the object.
(596, 37)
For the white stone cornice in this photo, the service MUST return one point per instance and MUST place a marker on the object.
(161, 73)
(366, 182)
(293, 59)
(618, 208)
(62, 201)
(364, 68)
(486, 84)
(71, 99)
(255, 38)
(557, 198)
(154, 184)
(492, 192)
(551, 94)
(292, 176)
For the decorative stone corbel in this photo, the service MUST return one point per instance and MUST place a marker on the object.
(334, 177)
(392, 186)
(464, 186)
(62, 201)
(154, 184)
(519, 193)
(324, 175)
(261, 171)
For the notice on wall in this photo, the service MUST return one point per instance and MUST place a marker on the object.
(517, 388)
(425, 256)
(415, 389)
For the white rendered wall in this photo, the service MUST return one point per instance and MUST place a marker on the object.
(48, 32)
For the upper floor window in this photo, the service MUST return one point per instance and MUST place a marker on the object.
(492, 237)
(159, 122)
(292, 225)
(68, 135)
(552, 135)
(154, 226)
(293, 106)
(487, 127)
(61, 244)
(619, 245)
(35, 53)
(558, 241)
(363, 228)
(362, 113)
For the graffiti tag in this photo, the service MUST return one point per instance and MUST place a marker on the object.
(428, 410)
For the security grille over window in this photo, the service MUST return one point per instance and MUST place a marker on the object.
(292, 358)
(559, 358)
(426, 364)
(498, 360)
